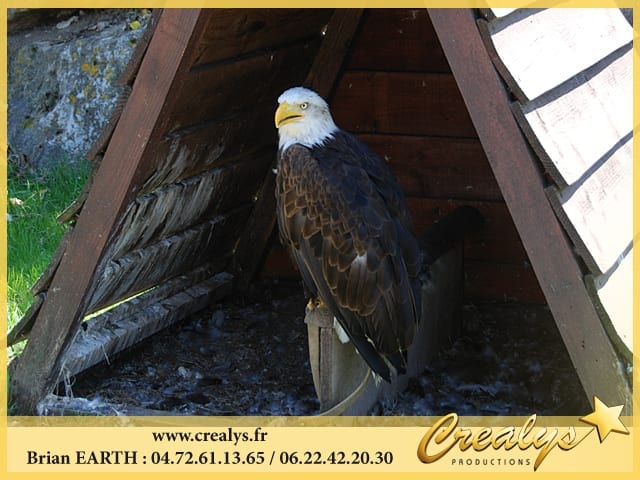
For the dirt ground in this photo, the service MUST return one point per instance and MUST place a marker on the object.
(249, 356)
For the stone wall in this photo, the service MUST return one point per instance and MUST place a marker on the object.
(62, 78)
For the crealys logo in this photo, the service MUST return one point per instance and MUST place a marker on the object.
(445, 435)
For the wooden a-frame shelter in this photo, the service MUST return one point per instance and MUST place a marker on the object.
(180, 209)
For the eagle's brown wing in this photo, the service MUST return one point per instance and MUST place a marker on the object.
(342, 214)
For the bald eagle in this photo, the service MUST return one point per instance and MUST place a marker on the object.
(343, 217)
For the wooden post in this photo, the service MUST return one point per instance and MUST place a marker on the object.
(521, 184)
(141, 124)
(343, 381)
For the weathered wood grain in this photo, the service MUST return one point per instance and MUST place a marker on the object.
(573, 130)
(597, 212)
(546, 49)
(402, 103)
(194, 151)
(164, 290)
(171, 209)
(44, 280)
(20, 330)
(332, 54)
(231, 33)
(119, 328)
(127, 160)
(437, 167)
(222, 89)
(141, 269)
(551, 256)
(397, 40)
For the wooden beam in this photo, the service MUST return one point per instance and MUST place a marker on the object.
(131, 322)
(253, 244)
(520, 180)
(20, 330)
(326, 66)
(126, 161)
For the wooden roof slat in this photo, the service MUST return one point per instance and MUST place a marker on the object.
(581, 130)
(573, 131)
(141, 124)
(598, 212)
(235, 32)
(546, 49)
(212, 145)
(333, 51)
(550, 253)
(122, 327)
(145, 268)
(171, 209)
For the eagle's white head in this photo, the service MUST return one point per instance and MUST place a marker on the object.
(303, 117)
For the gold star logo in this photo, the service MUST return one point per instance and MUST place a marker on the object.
(605, 419)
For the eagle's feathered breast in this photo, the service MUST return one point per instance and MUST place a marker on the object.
(342, 214)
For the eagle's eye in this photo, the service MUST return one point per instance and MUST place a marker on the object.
(304, 105)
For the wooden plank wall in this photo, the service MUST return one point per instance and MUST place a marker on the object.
(181, 169)
(399, 96)
(574, 104)
(201, 178)
(215, 151)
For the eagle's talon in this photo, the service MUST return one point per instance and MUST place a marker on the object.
(313, 304)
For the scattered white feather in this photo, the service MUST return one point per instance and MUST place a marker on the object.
(342, 335)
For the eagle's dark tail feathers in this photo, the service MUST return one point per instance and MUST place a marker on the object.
(440, 237)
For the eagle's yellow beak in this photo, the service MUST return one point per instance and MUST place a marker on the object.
(287, 113)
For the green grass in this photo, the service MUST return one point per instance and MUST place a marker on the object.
(33, 234)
